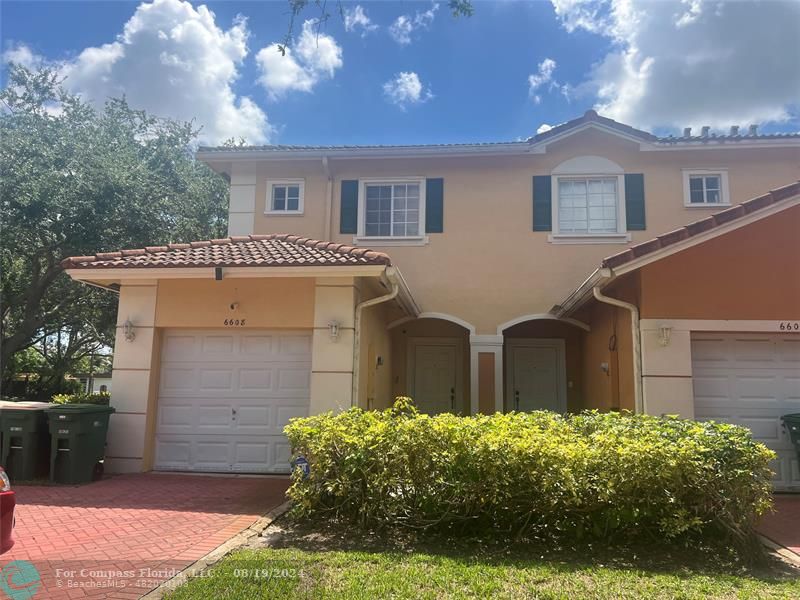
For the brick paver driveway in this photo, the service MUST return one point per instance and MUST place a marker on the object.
(124, 535)
(783, 526)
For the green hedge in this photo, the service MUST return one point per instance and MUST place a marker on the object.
(103, 398)
(600, 475)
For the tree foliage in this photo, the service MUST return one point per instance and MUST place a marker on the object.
(76, 180)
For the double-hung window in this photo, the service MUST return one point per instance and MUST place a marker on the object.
(392, 209)
(705, 188)
(588, 205)
(285, 197)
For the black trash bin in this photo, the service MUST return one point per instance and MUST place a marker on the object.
(25, 443)
(77, 441)
(792, 424)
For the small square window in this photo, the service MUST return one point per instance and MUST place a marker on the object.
(284, 197)
(704, 188)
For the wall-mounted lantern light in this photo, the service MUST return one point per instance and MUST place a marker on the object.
(333, 329)
(127, 330)
(664, 333)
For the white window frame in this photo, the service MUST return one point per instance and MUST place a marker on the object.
(724, 193)
(588, 167)
(268, 210)
(389, 240)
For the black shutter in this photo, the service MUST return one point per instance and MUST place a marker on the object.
(348, 215)
(634, 202)
(542, 203)
(434, 205)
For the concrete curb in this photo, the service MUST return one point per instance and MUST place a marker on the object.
(781, 551)
(237, 541)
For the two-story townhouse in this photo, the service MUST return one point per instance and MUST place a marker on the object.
(592, 266)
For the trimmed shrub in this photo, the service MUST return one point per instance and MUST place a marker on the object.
(599, 475)
(103, 398)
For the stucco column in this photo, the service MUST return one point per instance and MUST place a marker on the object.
(242, 206)
(479, 347)
(666, 370)
(332, 359)
(134, 380)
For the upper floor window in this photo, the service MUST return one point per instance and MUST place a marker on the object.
(392, 208)
(587, 205)
(588, 201)
(285, 197)
(705, 188)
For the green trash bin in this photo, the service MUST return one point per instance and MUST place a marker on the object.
(77, 441)
(792, 424)
(25, 444)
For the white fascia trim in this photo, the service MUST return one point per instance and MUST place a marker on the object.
(511, 148)
(707, 235)
(581, 293)
(228, 272)
(712, 144)
(720, 325)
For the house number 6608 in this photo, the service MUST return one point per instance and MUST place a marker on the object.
(234, 322)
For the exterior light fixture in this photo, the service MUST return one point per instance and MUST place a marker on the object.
(333, 329)
(127, 330)
(664, 333)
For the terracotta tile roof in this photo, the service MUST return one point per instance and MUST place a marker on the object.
(273, 250)
(692, 229)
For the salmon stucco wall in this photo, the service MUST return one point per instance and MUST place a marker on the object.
(750, 273)
(609, 343)
(268, 302)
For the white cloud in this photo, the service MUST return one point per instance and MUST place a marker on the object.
(543, 128)
(356, 18)
(23, 56)
(314, 57)
(173, 60)
(543, 76)
(406, 89)
(693, 62)
(405, 25)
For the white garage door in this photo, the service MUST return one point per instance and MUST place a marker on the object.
(751, 380)
(225, 396)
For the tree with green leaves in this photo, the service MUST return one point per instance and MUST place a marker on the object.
(75, 180)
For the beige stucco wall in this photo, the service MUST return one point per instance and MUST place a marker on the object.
(267, 302)
(488, 266)
(375, 380)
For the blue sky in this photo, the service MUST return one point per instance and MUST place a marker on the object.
(496, 76)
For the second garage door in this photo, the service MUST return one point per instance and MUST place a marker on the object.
(751, 380)
(224, 397)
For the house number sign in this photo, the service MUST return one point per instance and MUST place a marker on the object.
(234, 322)
(789, 326)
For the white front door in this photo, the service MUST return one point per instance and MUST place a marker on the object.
(435, 379)
(225, 396)
(536, 375)
(751, 380)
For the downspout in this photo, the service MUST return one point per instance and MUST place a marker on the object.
(636, 335)
(326, 231)
(391, 276)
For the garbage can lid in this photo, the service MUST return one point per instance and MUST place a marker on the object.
(80, 408)
(23, 405)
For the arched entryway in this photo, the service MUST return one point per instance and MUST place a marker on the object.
(543, 364)
(431, 362)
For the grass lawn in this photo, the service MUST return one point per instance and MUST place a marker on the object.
(341, 564)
